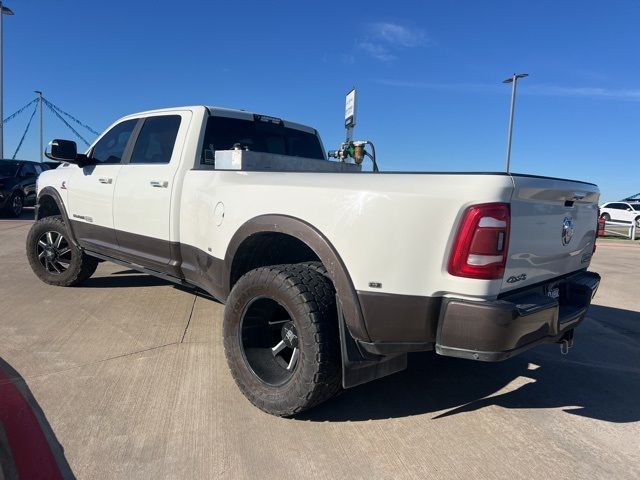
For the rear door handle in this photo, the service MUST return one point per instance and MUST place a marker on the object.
(159, 184)
(106, 180)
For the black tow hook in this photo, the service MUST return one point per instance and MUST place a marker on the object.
(566, 342)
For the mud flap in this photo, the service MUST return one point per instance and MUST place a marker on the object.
(360, 367)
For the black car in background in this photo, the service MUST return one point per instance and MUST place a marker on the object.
(18, 185)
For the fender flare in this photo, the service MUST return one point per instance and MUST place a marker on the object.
(321, 246)
(55, 196)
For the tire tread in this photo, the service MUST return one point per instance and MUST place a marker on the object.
(315, 292)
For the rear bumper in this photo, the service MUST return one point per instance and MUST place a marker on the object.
(478, 330)
(493, 331)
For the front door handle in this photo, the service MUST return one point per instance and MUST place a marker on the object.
(159, 184)
(106, 180)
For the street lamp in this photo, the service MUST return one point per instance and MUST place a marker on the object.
(513, 80)
(3, 11)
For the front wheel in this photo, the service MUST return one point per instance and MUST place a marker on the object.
(281, 338)
(54, 258)
(637, 222)
(606, 217)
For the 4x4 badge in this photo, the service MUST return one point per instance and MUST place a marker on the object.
(517, 278)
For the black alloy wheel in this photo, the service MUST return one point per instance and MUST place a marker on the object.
(269, 341)
(53, 256)
(54, 252)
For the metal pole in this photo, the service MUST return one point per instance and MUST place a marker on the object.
(1, 88)
(514, 81)
(41, 124)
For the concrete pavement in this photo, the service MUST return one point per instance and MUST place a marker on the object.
(131, 380)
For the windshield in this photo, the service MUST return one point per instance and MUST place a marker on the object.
(223, 133)
(8, 169)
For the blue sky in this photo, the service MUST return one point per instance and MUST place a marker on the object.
(428, 74)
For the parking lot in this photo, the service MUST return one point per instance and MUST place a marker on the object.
(127, 378)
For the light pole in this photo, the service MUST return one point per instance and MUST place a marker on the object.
(3, 11)
(513, 80)
(41, 122)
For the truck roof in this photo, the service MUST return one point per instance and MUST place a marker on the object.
(231, 113)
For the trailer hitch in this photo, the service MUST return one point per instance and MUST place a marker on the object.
(566, 342)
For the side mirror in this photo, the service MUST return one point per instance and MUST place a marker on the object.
(63, 150)
(66, 151)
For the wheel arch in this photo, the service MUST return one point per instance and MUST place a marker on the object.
(274, 227)
(48, 204)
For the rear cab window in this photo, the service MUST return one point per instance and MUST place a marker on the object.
(262, 134)
(156, 140)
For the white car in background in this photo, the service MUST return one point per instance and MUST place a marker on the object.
(621, 212)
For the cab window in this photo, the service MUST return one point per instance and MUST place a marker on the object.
(110, 148)
(258, 135)
(156, 140)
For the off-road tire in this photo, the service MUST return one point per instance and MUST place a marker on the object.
(316, 267)
(309, 298)
(81, 266)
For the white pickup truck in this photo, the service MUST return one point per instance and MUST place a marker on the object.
(330, 274)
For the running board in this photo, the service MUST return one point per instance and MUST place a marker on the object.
(141, 269)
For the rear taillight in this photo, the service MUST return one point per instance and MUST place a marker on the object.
(481, 244)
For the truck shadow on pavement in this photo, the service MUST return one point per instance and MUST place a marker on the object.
(28, 446)
(132, 278)
(599, 379)
(124, 279)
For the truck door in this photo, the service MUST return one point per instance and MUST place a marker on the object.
(90, 190)
(142, 204)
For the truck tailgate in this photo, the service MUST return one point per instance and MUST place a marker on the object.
(553, 229)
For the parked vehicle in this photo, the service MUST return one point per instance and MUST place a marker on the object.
(51, 164)
(18, 185)
(330, 275)
(627, 212)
